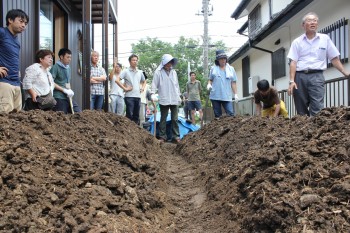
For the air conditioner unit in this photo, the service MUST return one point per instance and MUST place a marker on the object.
(252, 82)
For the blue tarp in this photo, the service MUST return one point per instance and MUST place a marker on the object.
(184, 126)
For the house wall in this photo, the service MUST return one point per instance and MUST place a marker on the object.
(265, 12)
(260, 65)
(278, 5)
(74, 26)
(238, 68)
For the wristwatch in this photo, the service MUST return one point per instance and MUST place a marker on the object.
(290, 81)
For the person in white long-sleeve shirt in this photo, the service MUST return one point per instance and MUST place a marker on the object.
(165, 80)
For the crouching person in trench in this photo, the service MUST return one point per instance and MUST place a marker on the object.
(267, 102)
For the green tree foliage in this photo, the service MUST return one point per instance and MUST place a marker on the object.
(151, 50)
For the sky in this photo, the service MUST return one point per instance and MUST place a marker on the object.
(169, 20)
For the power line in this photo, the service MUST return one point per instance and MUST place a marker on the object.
(172, 37)
(146, 29)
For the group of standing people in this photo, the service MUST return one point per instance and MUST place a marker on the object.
(308, 59)
(42, 86)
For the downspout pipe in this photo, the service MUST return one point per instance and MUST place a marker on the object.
(258, 48)
(261, 49)
(253, 46)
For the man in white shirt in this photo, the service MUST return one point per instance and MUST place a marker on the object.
(134, 84)
(308, 54)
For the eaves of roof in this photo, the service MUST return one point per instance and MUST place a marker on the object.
(279, 19)
(240, 8)
(243, 28)
(97, 10)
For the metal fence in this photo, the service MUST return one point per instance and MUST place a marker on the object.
(336, 95)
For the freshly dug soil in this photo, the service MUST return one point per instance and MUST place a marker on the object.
(273, 175)
(98, 172)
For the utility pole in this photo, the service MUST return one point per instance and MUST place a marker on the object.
(205, 12)
(205, 38)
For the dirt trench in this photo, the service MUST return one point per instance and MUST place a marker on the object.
(184, 194)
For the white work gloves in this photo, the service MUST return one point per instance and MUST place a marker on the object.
(179, 101)
(68, 92)
(209, 86)
(236, 98)
(154, 98)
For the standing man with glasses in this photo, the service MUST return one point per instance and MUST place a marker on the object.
(308, 56)
(10, 81)
(97, 79)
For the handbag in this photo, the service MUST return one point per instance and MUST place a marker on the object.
(46, 102)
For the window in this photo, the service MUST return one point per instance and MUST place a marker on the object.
(278, 63)
(246, 75)
(46, 25)
(339, 34)
(254, 20)
(52, 26)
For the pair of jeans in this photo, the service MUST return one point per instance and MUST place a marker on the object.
(63, 105)
(227, 105)
(96, 102)
(133, 108)
(142, 114)
(164, 110)
(117, 104)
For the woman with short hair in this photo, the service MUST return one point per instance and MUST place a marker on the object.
(38, 81)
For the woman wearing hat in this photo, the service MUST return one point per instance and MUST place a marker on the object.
(222, 84)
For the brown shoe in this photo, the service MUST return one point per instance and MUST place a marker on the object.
(176, 140)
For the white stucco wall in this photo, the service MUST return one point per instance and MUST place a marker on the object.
(260, 65)
(278, 5)
(238, 68)
(265, 12)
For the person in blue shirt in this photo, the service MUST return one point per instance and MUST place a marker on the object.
(10, 81)
(222, 84)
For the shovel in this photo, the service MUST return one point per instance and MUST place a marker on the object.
(70, 98)
(71, 105)
(155, 123)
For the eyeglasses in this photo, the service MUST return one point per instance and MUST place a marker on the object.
(311, 20)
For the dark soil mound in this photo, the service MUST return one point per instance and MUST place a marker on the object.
(98, 172)
(274, 175)
(89, 172)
